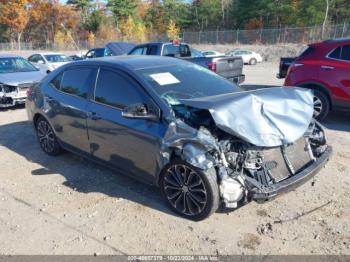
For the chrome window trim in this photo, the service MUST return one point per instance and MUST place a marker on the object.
(336, 59)
(73, 95)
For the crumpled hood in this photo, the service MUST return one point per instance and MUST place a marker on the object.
(264, 117)
(15, 79)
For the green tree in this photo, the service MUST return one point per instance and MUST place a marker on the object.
(94, 21)
(207, 13)
(122, 9)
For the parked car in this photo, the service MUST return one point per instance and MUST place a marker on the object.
(16, 76)
(48, 62)
(97, 52)
(284, 65)
(159, 119)
(229, 67)
(111, 49)
(325, 68)
(249, 57)
(212, 53)
(76, 57)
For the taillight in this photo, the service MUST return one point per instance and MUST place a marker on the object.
(212, 66)
(29, 91)
(293, 66)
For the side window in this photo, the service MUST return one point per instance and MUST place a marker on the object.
(152, 50)
(77, 81)
(31, 59)
(116, 90)
(139, 51)
(90, 54)
(184, 51)
(345, 53)
(56, 82)
(99, 53)
(336, 53)
(107, 52)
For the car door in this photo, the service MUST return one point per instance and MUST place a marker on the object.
(335, 73)
(66, 100)
(131, 145)
(245, 56)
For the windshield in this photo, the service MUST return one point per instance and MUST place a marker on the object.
(185, 81)
(57, 58)
(15, 64)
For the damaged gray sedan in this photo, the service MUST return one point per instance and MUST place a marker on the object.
(179, 126)
(16, 76)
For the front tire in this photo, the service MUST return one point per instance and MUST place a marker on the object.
(47, 138)
(321, 105)
(190, 191)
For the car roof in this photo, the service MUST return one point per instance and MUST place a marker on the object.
(9, 56)
(48, 53)
(133, 62)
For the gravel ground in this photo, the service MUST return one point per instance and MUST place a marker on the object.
(68, 205)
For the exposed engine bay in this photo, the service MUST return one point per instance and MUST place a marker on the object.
(246, 171)
(13, 95)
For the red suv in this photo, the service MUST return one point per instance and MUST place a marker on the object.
(325, 68)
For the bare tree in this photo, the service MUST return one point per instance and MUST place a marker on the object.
(325, 18)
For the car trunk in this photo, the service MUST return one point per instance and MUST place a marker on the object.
(229, 67)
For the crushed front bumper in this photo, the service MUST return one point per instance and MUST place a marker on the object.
(268, 193)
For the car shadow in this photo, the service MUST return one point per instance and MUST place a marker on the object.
(337, 121)
(80, 174)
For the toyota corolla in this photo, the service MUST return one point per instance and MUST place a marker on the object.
(198, 137)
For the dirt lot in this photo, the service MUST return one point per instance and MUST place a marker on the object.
(67, 205)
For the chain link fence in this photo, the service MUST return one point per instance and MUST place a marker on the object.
(268, 36)
(302, 35)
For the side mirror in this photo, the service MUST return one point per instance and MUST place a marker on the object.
(41, 62)
(138, 111)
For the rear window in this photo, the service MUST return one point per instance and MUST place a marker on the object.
(309, 50)
(176, 50)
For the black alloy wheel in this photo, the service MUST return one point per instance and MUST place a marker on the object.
(47, 138)
(189, 191)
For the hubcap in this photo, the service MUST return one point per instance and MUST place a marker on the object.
(46, 136)
(317, 106)
(185, 190)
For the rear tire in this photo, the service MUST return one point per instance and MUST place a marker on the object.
(47, 138)
(253, 61)
(321, 105)
(190, 191)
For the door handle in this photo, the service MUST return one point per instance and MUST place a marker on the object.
(327, 67)
(94, 116)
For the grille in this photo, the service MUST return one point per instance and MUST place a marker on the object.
(296, 154)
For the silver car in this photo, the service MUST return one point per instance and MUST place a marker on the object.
(16, 76)
(47, 62)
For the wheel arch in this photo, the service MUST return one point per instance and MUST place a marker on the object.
(320, 87)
